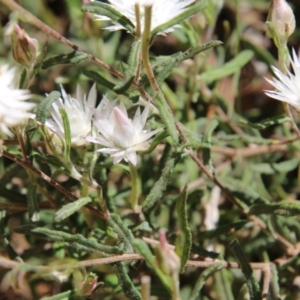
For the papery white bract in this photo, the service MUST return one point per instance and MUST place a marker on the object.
(121, 136)
(288, 86)
(79, 115)
(162, 12)
(14, 110)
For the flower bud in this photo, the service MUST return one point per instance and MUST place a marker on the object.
(24, 48)
(283, 19)
(168, 261)
(89, 285)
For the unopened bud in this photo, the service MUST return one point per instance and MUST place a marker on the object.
(283, 19)
(24, 48)
(167, 259)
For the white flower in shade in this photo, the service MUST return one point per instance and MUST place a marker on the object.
(287, 86)
(162, 12)
(120, 136)
(79, 114)
(14, 110)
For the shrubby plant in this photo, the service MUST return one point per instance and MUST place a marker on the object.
(154, 181)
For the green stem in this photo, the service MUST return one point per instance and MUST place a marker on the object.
(145, 48)
(175, 287)
(138, 21)
(134, 187)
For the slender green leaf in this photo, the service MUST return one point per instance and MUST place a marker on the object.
(195, 50)
(131, 71)
(228, 68)
(277, 120)
(126, 283)
(251, 281)
(203, 278)
(184, 238)
(166, 116)
(43, 109)
(72, 239)
(144, 250)
(159, 186)
(61, 296)
(32, 202)
(97, 77)
(282, 167)
(103, 9)
(123, 232)
(67, 132)
(223, 229)
(70, 208)
(23, 78)
(283, 208)
(207, 140)
(74, 58)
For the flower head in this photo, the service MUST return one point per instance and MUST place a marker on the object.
(79, 115)
(121, 136)
(14, 110)
(288, 86)
(162, 11)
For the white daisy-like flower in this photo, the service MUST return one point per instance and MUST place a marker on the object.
(162, 12)
(287, 86)
(79, 114)
(14, 109)
(121, 136)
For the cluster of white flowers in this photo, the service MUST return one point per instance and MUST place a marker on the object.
(14, 109)
(162, 12)
(120, 136)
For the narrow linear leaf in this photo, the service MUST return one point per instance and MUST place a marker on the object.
(22, 78)
(195, 50)
(274, 286)
(278, 120)
(183, 16)
(74, 58)
(131, 71)
(72, 239)
(251, 281)
(144, 250)
(283, 208)
(159, 186)
(123, 232)
(223, 229)
(32, 202)
(203, 278)
(103, 9)
(126, 283)
(207, 139)
(183, 241)
(43, 109)
(67, 132)
(97, 77)
(61, 296)
(70, 208)
(272, 168)
(157, 140)
(228, 68)
(162, 68)
(166, 116)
